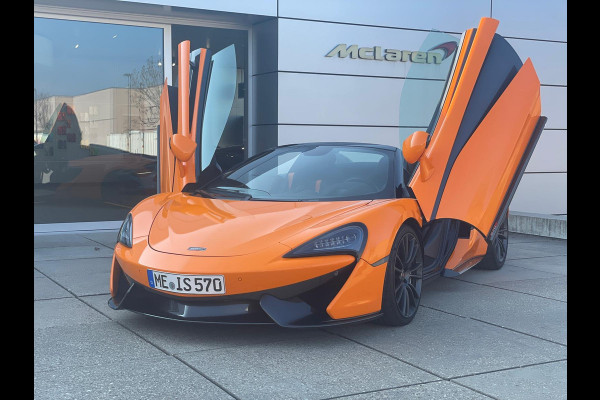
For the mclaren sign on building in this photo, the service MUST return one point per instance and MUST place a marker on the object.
(376, 53)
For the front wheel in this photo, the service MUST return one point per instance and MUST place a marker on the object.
(403, 279)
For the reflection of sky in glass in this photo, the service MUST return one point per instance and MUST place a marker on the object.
(424, 86)
(219, 99)
(74, 57)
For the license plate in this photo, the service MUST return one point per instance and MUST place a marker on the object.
(190, 284)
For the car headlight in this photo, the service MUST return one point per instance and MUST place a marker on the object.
(126, 232)
(346, 239)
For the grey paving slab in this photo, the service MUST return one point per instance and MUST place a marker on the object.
(313, 368)
(540, 317)
(100, 303)
(163, 378)
(81, 276)
(60, 240)
(64, 312)
(177, 337)
(44, 288)
(425, 391)
(505, 274)
(72, 252)
(553, 288)
(451, 346)
(105, 343)
(543, 382)
(107, 238)
(544, 248)
(555, 264)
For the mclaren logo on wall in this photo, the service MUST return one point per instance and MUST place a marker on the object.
(376, 53)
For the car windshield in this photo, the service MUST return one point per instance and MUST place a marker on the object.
(308, 173)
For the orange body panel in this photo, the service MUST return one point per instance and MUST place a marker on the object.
(467, 252)
(495, 148)
(438, 151)
(362, 294)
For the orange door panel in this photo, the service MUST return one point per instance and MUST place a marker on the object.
(440, 147)
(483, 171)
(486, 131)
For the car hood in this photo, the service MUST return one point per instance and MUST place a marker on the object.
(217, 227)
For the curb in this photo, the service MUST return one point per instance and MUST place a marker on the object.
(554, 226)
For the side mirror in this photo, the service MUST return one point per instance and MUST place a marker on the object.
(414, 146)
(183, 147)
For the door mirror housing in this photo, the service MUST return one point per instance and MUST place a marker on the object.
(414, 146)
(183, 147)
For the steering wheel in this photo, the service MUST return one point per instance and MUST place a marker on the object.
(364, 182)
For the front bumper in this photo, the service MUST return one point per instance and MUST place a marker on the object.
(303, 303)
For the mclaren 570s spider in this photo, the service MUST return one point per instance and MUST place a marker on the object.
(318, 234)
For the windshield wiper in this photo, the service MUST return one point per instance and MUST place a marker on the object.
(223, 191)
(204, 193)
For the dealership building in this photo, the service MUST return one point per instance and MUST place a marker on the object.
(311, 70)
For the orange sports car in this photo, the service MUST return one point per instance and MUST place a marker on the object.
(319, 234)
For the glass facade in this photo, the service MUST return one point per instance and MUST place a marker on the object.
(97, 88)
(96, 92)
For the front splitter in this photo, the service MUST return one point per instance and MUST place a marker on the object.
(301, 305)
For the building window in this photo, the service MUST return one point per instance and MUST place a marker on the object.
(96, 95)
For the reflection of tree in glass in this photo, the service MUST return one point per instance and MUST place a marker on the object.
(147, 84)
(41, 113)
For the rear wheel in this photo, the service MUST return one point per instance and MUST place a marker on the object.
(497, 250)
(404, 279)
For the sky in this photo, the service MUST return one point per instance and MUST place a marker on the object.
(75, 57)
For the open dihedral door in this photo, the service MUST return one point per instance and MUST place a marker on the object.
(199, 107)
(485, 130)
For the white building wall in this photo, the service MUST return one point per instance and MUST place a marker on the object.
(539, 31)
(330, 99)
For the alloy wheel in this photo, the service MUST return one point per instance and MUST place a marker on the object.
(408, 275)
(501, 242)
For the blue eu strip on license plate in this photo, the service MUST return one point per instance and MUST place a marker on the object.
(151, 279)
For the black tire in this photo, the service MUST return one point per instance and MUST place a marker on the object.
(403, 279)
(496, 253)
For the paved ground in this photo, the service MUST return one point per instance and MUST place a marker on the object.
(487, 334)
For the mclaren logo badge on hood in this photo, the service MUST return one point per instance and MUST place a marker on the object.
(196, 248)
